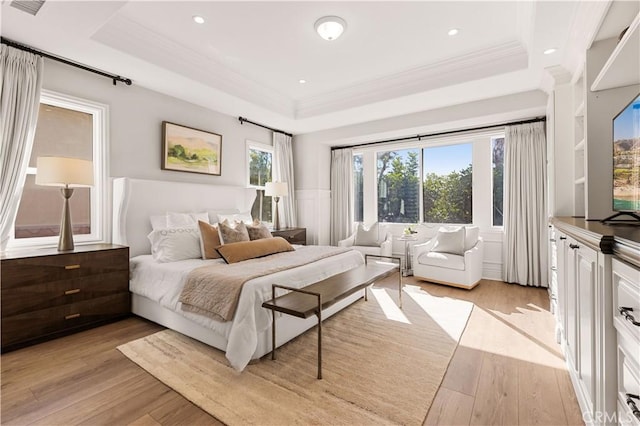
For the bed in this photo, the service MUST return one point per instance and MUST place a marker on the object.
(156, 287)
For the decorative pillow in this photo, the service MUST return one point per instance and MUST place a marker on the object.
(209, 240)
(232, 234)
(245, 250)
(178, 220)
(213, 214)
(450, 240)
(471, 234)
(367, 237)
(173, 244)
(258, 230)
(238, 217)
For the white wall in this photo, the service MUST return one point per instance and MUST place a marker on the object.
(136, 114)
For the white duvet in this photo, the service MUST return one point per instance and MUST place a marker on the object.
(163, 282)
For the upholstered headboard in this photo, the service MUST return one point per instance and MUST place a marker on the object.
(135, 200)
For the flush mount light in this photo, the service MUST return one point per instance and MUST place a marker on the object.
(453, 31)
(549, 51)
(302, 81)
(330, 27)
(198, 19)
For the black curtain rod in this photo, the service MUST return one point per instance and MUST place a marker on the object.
(244, 120)
(113, 77)
(450, 132)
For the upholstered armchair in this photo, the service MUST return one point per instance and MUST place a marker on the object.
(453, 257)
(374, 240)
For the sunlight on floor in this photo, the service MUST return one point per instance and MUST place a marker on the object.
(388, 306)
(451, 320)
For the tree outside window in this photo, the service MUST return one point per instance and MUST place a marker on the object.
(448, 184)
(260, 172)
(358, 188)
(399, 186)
(497, 151)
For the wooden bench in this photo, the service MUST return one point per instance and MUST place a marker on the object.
(312, 299)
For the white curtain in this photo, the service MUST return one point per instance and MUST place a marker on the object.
(341, 194)
(21, 81)
(525, 207)
(283, 172)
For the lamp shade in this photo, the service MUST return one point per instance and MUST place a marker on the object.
(276, 189)
(61, 171)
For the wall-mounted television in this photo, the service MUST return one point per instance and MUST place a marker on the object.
(626, 160)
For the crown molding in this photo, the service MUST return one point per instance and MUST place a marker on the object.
(128, 36)
(494, 60)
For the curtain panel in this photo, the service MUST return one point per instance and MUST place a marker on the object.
(283, 172)
(21, 82)
(341, 194)
(525, 207)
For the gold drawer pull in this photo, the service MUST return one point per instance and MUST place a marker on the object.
(74, 291)
(67, 267)
(72, 316)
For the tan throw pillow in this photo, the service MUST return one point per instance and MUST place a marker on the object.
(209, 240)
(258, 231)
(245, 250)
(232, 234)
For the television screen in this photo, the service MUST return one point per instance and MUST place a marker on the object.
(626, 158)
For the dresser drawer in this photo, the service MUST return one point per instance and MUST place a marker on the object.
(35, 297)
(21, 272)
(626, 297)
(628, 378)
(40, 323)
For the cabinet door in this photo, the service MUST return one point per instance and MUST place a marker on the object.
(572, 305)
(561, 280)
(586, 268)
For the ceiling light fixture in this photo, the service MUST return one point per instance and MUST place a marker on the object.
(549, 51)
(330, 27)
(302, 81)
(198, 19)
(453, 31)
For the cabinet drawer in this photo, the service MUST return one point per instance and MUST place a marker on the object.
(36, 270)
(626, 294)
(628, 376)
(35, 297)
(36, 324)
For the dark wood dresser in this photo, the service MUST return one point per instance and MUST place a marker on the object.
(48, 294)
(293, 235)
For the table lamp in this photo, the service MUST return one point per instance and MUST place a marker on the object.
(66, 173)
(276, 190)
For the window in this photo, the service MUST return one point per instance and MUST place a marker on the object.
(497, 154)
(447, 184)
(259, 172)
(398, 186)
(67, 127)
(358, 189)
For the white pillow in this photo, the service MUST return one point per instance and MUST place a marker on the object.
(179, 220)
(237, 217)
(213, 214)
(367, 237)
(173, 244)
(450, 240)
(471, 234)
(158, 222)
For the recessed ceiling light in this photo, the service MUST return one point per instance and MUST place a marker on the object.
(198, 19)
(330, 27)
(302, 81)
(549, 51)
(453, 31)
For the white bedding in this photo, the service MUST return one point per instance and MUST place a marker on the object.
(163, 282)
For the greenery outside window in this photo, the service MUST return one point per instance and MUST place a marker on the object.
(358, 188)
(398, 186)
(497, 167)
(259, 172)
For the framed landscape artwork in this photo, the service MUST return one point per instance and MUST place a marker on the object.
(185, 149)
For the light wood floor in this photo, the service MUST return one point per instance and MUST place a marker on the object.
(507, 370)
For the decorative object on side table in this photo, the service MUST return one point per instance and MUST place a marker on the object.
(185, 149)
(66, 173)
(276, 190)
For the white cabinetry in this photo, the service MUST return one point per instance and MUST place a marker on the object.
(626, 319)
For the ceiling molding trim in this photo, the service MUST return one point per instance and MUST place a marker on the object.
(495, 60)
(584, 28)
(129, 37)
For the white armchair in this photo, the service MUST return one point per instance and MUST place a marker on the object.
(436, 261)
(380, 247)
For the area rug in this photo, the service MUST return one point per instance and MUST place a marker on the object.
(381, 365)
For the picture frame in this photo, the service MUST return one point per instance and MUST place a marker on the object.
(186, 149)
